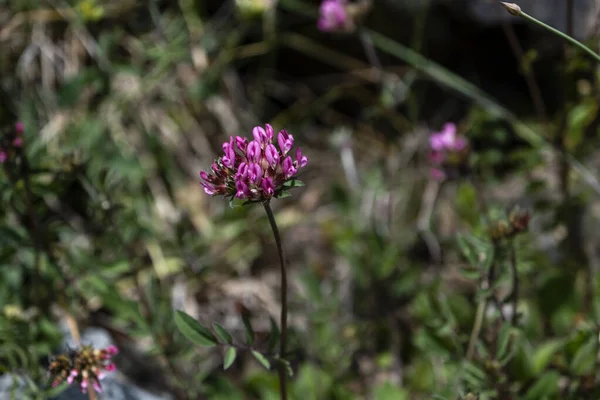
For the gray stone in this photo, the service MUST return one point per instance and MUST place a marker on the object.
(12, 386)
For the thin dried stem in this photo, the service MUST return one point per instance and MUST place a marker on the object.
(515, 283)
(532, 84)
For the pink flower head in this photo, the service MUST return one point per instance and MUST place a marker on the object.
(285, 141)
(2, 157)
(272, 155)
(18, 141)
(19, 127)
(242, 171)
(242, 190)
(72, 376)
(300, 159)
(84, 384)
(209, 189)
(253, 152)
(255, 170)
(241, 143)
(229, 157)
(333, 16)
(267, 187)
(289, 169)
(260, 135)
(446, 139)
(270, 132)
(448, 152)
(255, 173)
(112, 350)
(110, 367)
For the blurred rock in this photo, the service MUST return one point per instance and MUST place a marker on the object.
(12, 386)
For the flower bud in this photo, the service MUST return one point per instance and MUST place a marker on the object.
(512, 8)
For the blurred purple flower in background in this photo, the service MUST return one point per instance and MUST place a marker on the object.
(10, 141)
(446, 139)
(333, 16)
(447, 151)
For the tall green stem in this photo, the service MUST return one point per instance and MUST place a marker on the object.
(516, 10)
(282, 370)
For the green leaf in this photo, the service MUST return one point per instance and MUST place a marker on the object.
(544, 387)
(288, 367)
(583, 360)
(261, 359)
(248, 329)
(388, 391)
(504, 337)
(193, 331)
(230, 356)
(222, 333)
(283, 194)
(235, 202)
(293, 183)
(473, 374)
(313, 383)
(543, 355)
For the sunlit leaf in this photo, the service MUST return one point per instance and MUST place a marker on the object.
(294, 183)
(222, 333)
(192, 330)
(544, 353)
(283, 194)
(261, 359)
(230, 356)
(544, 387)
(584, 358)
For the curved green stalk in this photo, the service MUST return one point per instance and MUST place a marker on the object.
(516, 11)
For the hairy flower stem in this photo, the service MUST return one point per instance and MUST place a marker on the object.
(282, 371)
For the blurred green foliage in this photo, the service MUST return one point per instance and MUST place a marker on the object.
(395, 293)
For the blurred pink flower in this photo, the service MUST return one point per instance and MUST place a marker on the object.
(446, 139)
(333, 16)
(448, 152)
